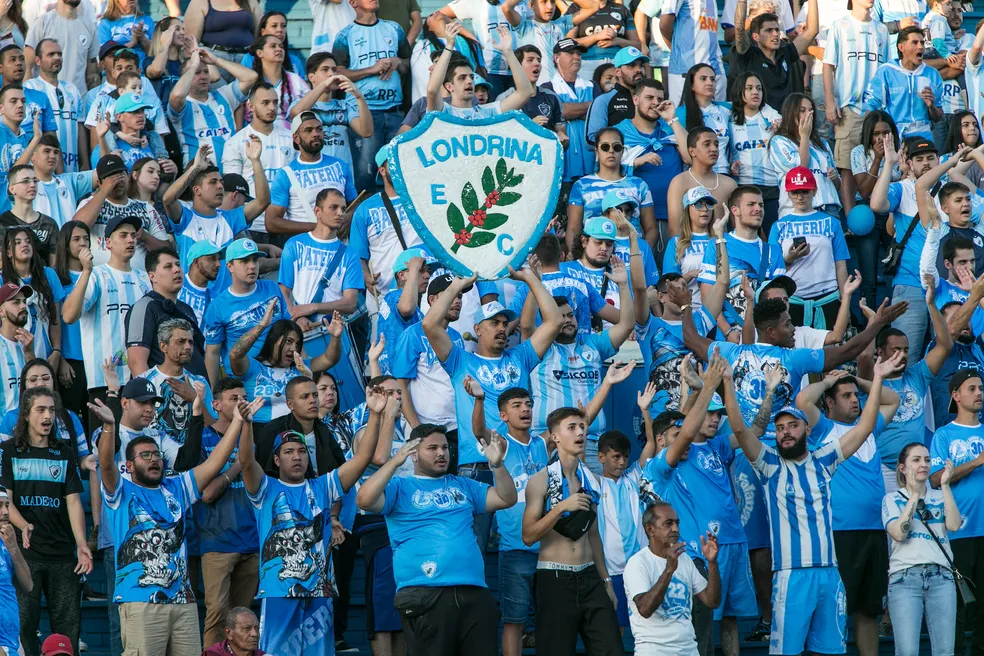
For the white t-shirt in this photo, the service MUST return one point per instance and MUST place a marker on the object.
(919, 548)
(669, 629)
(473, 112)
(329, 19)
(278, 152)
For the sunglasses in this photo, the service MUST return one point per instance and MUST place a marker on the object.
(703, 205)
(615, 147)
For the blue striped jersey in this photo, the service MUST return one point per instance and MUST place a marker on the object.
(430, 386)
(620, 518)
(784, 155)
(589, 191)
(756, 259)
(584, 299)
(856, 49)
(38, 321)
(748, 146)
(359, 46)
(544, 36)
(11, 366)
(486, 19)
(109, 295)
(522, 461)
(59, 197)
(374, 239)
(954, 96)
(661, 343)
(974, 79)
(568, 374)
(695, 35)
(211, 121)
(800, 514)
(230, 315)
(296, 185)
(11, 147)
(888, 11)
(336, 116)
(939, 36)
(221, 229)
(66, 105)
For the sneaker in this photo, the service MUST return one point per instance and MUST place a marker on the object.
(761, 633)
(342, 647)
(529, 641)
(83, 646)
(91, 595)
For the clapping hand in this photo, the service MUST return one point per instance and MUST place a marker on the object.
(473, 388)
(109, 374)
(644, 397)
(376, 350)
(709, 547)
(619, 274)
(336, 325)
(852, 284)
(494, 448)
(947, 473)
(101, 412)
(890, 367)
(619, 372)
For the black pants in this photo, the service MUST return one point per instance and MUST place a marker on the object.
(702, 617)
(96, 393)
(569, 604)
(452, 450)
(344, 559)
(63, 593)
(74, 396)
(829, 312)
(968, 556)
(464, 621)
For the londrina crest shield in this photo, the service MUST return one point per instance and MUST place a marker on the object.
(480, 193)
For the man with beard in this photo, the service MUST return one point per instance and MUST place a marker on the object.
(703, 151)
(543, 106)
(296, 575)
(296, 186)
(856, 495)
(15, 145)
(35, 102)
(242, 635)
(441, 593)
(41, 472)
(163, 303)
(148, 513)
(204, 259)
(615, 106)
(808, 595)
(16, 341)
(66, 103)
(75, 30)
(174, 383)
(427, 394)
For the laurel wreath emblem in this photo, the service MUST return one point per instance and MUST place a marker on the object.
(473, 223)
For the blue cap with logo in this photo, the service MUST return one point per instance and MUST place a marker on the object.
(381, 156)
(492, 309)
(616, 197)
(202, 248)
(600, 228)
(793, 412)
(403, 258)
(131, 102)
(696, 194)
(628, 55)
(716, 404)
(241, 249)
(481, 81)
(286, 437)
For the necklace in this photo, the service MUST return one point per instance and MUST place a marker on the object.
(717, 180)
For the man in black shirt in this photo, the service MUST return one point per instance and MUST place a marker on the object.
(544, 107)
(41, 474)
(775, 61)
(612, 108)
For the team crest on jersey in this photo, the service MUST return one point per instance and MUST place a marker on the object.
(710, 462)
(55, 470)
(83, 39)
(429, 568)
(714, 526)
(286, 151)
(962, 451)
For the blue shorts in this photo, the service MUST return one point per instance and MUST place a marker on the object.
(750, 499)
(622, 609)
(809, 611)
(737, 588)
(297, 627)
(516, 602)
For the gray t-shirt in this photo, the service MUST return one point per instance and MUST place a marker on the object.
(78, 41)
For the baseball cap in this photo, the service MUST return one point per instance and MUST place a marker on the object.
(109, 165)
(57, 643)
(241, 249)
(600, 228)
(117, 221)
(381, 156)
(800, 178)
(140, 389)
(481, 81)
(109, 48)
(131, 102)
(793, 411)
(490, 310)
(287, 437)
(918, 145)
(300, 118)
(958, 379)
(202, 248)
(666, 420)
(236, 182)
(785, 282)
(617, 197)
(698, 193)
(716, 404)
(11, 289)
(570, 45)
(403, 258)
(628, 55)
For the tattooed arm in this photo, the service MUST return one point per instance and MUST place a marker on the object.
(773, 378)
(239, 353)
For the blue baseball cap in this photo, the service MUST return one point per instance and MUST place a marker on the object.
(793, 412)
(403, 258)
(241, 249)
(490, 310)
(716, 404)
(131, 102)
(628, 55)
(381, 156)
(698, 193)
(481, 81)
(616, 197)
(600, 228)
(202, 248)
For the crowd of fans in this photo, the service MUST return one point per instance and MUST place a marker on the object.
(221, 334)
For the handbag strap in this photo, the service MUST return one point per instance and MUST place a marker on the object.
(393, 218)
(924, 518)
(908, 231)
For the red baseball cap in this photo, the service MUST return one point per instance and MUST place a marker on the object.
(800, 178)
(57, 643)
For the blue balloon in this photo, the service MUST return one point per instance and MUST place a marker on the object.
(861, 220)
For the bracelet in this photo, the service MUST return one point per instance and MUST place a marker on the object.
(720, 240)
(56, 350)
(673, 120)
(112, 393)
(491, 466)
(732, 329)
(335, 518)
(607, 579)
(684, 307)
(635, 255)
(226, 476)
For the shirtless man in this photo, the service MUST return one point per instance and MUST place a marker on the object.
(702, 145)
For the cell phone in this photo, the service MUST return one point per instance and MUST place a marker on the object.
(798, 241)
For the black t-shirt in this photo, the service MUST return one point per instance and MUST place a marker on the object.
(45, 229)
(38, 481)
(612, 15)
(966, 233)
(617, 106)
(779, 79)
(543, 103)
(147, 314)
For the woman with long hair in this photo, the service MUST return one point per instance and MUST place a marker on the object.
(919, 519)
(604, 79)
(964, 128)
(685, 252)
(166, 54)
(699, 109)
(123, 23)
(72, 238)
(22, 265)
(22, 188)
(13, 27)
(796, 143)
(751, 126)
(270, 56)
(274, 23)
(146, 187)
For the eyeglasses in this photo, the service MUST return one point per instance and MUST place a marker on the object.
(27, 181)
(615, 147)
(34, 380)
(151, 455)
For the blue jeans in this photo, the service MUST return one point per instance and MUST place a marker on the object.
(384, 127)
(516, 602)
(115, 640)
(824, 128)
(915, 321)
(482, 524)
(923, 592)
(866, 254)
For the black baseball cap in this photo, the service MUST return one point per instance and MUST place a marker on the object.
(128, 219)
(782, 281)
(236, 182)
(667, 419)
(109, 48)
(109, 165)
(140, 389)
(918, 145)
(439, 283)
(958, 379)
(568, 45)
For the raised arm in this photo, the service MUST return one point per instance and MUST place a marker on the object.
(205, 472)
(617, 373)
(173, 193)
(693, 340)
(239, 353)
(435, 83)
(108, 472)
(644, 399)
(805, 39)
(246, 456)
(879, 194)
(436, 334)
(851, 285)
(890, 399)
(852, 440)
(550, 317)
(182, 88)
(524, 88)
(372, 493)
(750, 444)
(937, 357)
(712, 296)
(503, 495)
(479, 422)
(351, 471)
(836, 355)
(619, 275)
(695, 417)
(809, 397)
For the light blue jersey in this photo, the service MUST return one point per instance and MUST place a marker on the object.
(222, 228)
(211, 121)
(974, 79)
(815, 274)
(269, 382)
(620, 518)
(584, 299)
(755, 259)
(9, 614)
(661, 343)
(692, 259)
(36, 104)
(230, 316)
(856, 49)
(359, 46)
(196, 298)
(59, 197)
(591, 277)
(430, 386)
(908, 424)
(66, 107)
(11, 147)
(695, 35)
(304, 269)
(295, 556)
(38, 321)
(570, 374)
(71, 332)
(545, 36)
(486, 19)
(749, 146)
(896, 90)
(391, 324)
(888, 11)
(589, 191)
(109, 295)
(120, 30)
(784, 156)
(938, 34)
(962, 444)
(374, 239)
(717, 117)
(902, 205)
(336, 116)
(12, 362)
(296, 186)
(495, 375)
(579, 158)
(522, 461)
(798, 497)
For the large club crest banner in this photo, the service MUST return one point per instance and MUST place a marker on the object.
(480, 193)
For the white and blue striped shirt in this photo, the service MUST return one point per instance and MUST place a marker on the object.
(620, 518)
(210, 122)
(11, 366)
(888, 11)
(856, 49)
(66, 105)
(749, 146)
(800, 515)
(695, 35)
(784, 155)
(59, 197)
